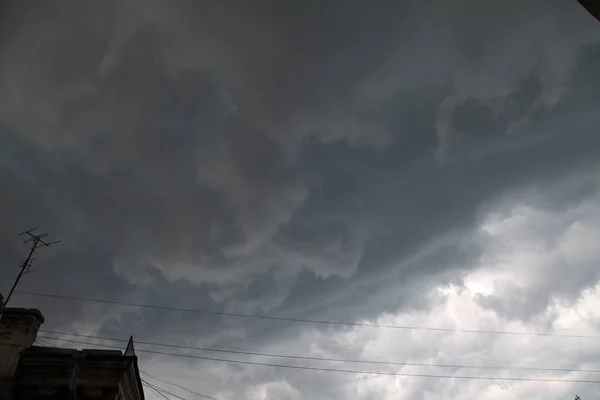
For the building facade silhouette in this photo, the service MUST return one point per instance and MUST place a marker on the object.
(34, 372)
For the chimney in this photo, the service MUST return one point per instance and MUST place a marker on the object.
(18, 331)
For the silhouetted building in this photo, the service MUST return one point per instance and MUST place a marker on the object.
(32, 372)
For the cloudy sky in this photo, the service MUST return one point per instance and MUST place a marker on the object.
(424, 164)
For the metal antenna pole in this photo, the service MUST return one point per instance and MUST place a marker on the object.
(36, 242)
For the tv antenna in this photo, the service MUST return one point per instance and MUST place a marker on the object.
(36, 240)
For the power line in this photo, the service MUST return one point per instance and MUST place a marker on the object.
(148, 388)
(311, 321)
(45, 343)
(179, 386)
(349, 371)
(328, 359)
(162, 390)
(155, 390)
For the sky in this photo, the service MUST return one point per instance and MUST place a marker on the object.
(422, 169)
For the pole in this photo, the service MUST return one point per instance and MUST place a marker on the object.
(37, 242)
(24, 265)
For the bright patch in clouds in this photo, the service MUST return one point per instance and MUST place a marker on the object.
(528, 251)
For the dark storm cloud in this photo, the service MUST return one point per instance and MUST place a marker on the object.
(278, 157)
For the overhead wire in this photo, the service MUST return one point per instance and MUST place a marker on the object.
(348, 371)
(44, 342)
(311, 321)
(179, 386)
(155, 390)
(150, 388)
(328, 359)
(162, 391)
(171, 393)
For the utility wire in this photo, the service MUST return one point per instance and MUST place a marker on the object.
(311, 321)
(314, 358)
(155, 390)
(44, 343)
(349, 371)
(148, 388)
(48, 344)
(162, 391)
(179, 386)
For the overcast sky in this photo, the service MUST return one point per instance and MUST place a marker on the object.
(433, 164)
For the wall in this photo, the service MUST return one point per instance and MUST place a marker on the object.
(18, 331)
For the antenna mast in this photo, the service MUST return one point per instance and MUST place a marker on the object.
(36, 242)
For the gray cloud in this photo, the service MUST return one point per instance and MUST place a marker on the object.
(294, 159)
